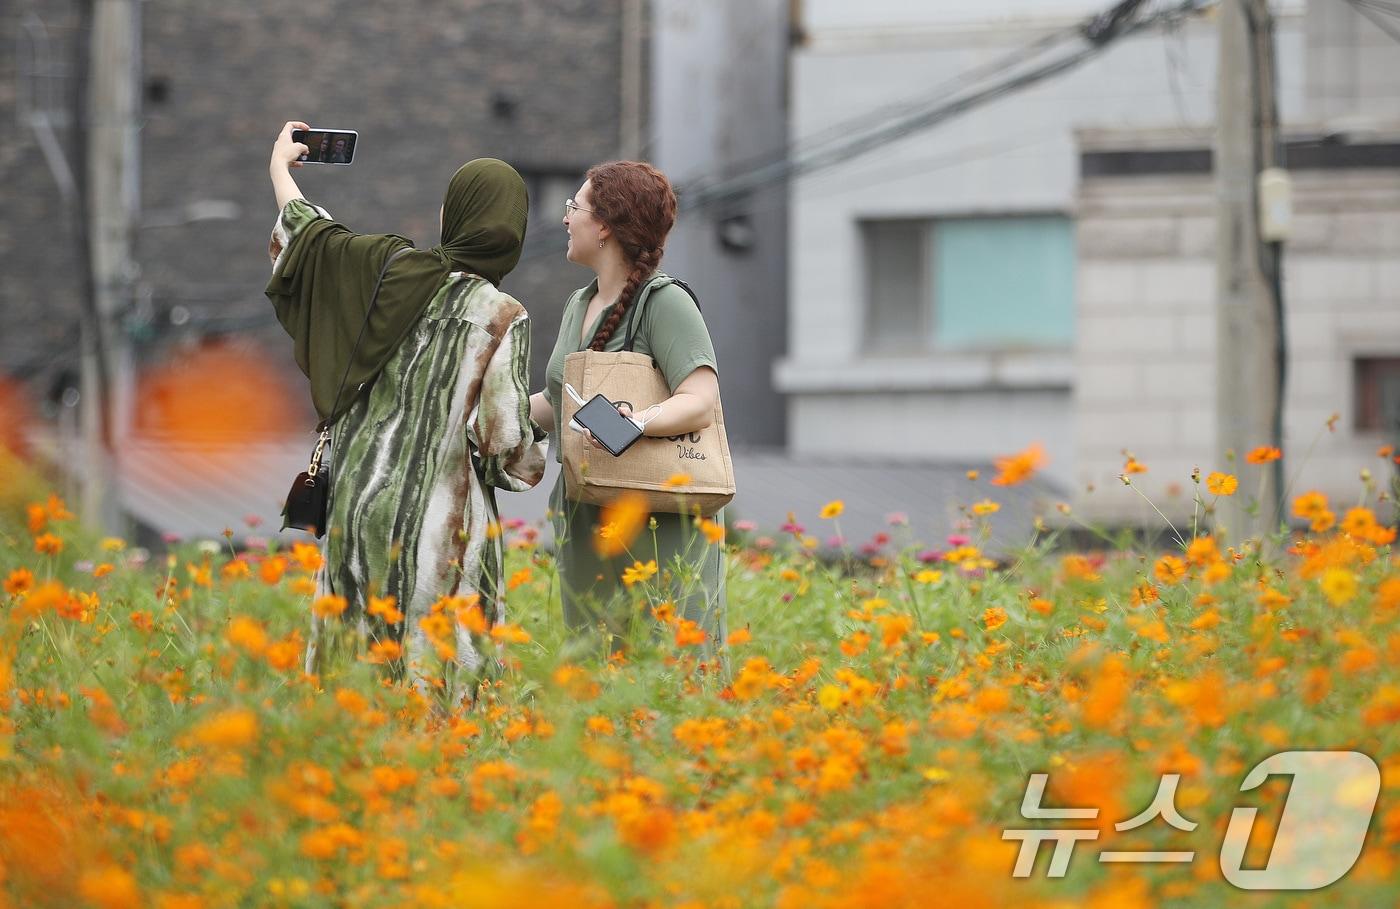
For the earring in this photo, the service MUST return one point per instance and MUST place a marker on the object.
(600, 244)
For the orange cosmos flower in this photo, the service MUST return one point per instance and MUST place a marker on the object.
(235, 570)
(1323, 522)
(329, 606)
(472, 618)
(510, 634)
(110, 887)
(1169, 569)
(993, 618)
(1019, 467)
(1263, 455)
(1078, 567)
(386, 608)
(1202, 551)
(622, 519)
(1221, 484)
(712, 531)
(272, 569)
(236, 728)
(384, 652)
(307, 556)
(689, 634)
(20, 581)
(639, 572)
(1310, 504)
(1359, 522)
(1388, 594)
(48, 544)
(1338, 585)
(247, 634)
(893, 628)
(284, 654)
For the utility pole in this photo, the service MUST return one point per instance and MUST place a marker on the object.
(1249, 325)
(630, 134)
(113, 196)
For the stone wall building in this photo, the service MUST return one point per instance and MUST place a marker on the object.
(428, 84)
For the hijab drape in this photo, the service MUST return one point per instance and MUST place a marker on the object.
(322, 289)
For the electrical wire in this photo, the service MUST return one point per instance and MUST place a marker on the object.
(1367, 10)
(1112, 25)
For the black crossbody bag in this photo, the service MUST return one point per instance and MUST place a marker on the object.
(308, 501)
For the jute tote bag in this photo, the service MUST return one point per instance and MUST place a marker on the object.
(653, 467)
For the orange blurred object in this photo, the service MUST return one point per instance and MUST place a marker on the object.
(16, 416)
(220, 394)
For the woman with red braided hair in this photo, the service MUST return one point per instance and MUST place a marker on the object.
(617, 224)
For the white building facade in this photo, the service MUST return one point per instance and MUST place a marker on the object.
(972, 288)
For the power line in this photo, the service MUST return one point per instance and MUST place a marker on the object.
(1372, 13)
(1100, 31)
(1387, 7)
(794, 147)
(835, 144)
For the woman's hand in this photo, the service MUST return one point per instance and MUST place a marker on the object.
(285, 152)
(284, 156)
(690, 408)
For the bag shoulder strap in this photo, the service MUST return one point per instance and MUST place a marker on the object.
(634, 318)
(369, 310)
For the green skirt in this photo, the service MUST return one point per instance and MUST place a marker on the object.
(690, 572)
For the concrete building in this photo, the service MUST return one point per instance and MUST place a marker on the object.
(719, 107)
(1145, 351)
(987, 283)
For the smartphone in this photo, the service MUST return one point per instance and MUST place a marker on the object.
(610, 428)
(327, 146)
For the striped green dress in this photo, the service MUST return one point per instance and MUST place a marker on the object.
(415, 462)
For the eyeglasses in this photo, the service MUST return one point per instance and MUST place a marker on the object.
(570, 206)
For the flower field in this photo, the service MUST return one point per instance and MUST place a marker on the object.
(864, 739)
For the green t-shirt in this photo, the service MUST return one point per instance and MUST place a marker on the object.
(672, 332)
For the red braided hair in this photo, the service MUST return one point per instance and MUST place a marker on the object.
(637, 202)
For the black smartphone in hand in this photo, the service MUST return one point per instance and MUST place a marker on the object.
(327, 146)
(610, 428)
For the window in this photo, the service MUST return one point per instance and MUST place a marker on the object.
(969, 283)
(1377, 384)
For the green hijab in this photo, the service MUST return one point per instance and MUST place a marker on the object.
(322, 290)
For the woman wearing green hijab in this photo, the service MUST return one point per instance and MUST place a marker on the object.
(434, 414)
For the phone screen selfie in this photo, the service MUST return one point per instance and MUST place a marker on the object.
(327, 146)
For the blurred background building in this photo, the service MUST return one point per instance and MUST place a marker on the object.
(1043, 266)
(915, 250)
(204, 368)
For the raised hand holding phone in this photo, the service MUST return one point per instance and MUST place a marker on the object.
(326, 146)
(287, 151)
